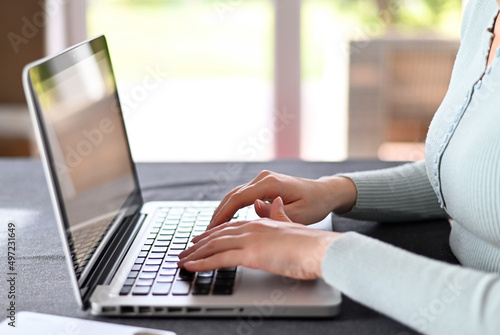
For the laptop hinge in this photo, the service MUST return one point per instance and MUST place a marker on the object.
(112, 256)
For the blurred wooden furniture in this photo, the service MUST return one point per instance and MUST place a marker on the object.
(16, 131)
(395, 87)
(23, 30)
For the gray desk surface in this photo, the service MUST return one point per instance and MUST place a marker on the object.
(43, 282)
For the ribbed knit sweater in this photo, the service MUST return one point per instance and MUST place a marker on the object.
(459, 179)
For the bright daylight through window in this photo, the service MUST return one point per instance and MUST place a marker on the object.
(196, 77)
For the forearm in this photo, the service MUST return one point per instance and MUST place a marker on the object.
(402, 193)
(430, 296)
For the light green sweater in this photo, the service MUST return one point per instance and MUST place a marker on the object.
(460, 178)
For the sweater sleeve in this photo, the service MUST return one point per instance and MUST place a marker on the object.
(402, 193)
(430, 296)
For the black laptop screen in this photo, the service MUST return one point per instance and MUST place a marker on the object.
(86, 143)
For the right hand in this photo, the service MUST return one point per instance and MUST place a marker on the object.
(306, 200)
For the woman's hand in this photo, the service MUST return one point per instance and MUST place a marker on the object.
(273, 244)
(306, 201)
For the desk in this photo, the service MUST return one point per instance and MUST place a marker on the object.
(43, 281)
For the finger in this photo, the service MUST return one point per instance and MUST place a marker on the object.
(245, 196)
(277, 211)
(262, 208)
(217, 218)
(209, 232)
(225, 200)
(225, 259)
(228, 231)
(242, 231)
(212, 247)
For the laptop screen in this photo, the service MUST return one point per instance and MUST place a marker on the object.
(86, 144)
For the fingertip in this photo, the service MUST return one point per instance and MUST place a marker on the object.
(261, 208)
(259, 205)
(191, 266)
(279, 202)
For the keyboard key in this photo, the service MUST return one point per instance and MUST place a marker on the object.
(159, 249)
(161, 288)
(136, 267)
(125, 290)
(186, 275)
(167, 231)
(174, 252)
(144, 282)
(129, 282)
(180, 240)
(141, 290)
(181, 287)
(154, 261)
(224, 281)
(143, 254)
(203, 280)
(199, 289)
(172, 259)
(165, 279)
(222, 290)
(148, 275)
(205, 274)
(149, 241)
(168, 272)
(221, 275)
(151, 268)
(170, 265)
(156, 255)
(180, 246)
(140, 260)
(181, 235)
(133, 274)
(161, 244)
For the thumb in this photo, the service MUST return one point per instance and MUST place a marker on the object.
(278, 211)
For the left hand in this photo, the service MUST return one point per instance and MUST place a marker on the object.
(273, 244)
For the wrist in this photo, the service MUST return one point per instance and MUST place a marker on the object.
(342, 193)
(323, 245)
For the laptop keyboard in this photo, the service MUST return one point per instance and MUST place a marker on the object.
(155, 271)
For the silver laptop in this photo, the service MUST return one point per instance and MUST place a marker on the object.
(122, 253)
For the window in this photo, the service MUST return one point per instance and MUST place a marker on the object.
(197, 77)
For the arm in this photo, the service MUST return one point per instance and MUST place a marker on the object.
(402, 193)
(431, 296)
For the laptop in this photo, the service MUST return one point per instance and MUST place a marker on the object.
(122, 253)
